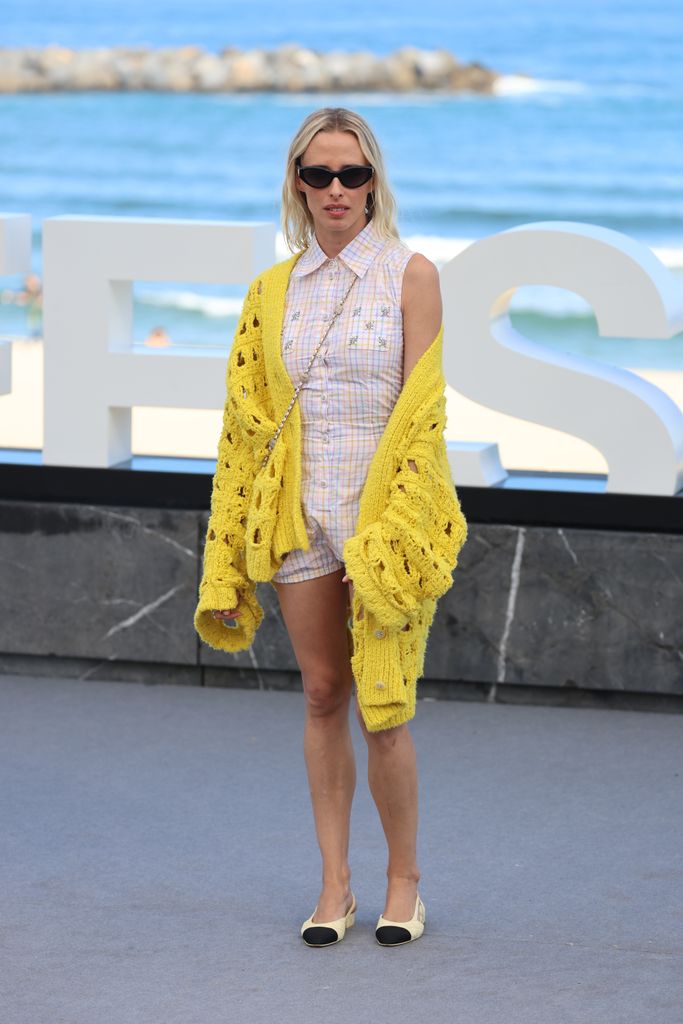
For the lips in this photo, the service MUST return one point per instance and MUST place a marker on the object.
(335, 208)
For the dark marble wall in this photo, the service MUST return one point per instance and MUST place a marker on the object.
(110, 592)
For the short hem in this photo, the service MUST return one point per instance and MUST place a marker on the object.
(312, 575)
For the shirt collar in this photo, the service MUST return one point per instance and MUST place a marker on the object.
(358, 255)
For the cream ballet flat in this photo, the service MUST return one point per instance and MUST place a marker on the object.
(395, 933)
(326, 933)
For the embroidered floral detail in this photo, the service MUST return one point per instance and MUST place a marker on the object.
(384, 311)
(369, 324)
(382, 342)
(353, 339)
(296, 314)
(288, 343)
(356, 311)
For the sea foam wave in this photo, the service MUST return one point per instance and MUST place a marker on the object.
(193, 302)
(523, 85)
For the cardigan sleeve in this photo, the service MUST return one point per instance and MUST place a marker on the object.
(409, 552)
(224, 571)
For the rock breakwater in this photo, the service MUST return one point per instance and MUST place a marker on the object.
(289, 68)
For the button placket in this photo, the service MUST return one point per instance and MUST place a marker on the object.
(335, 282)
(324, 419)
(336, 289)
(325, 403)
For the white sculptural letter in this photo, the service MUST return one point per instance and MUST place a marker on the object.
(92, 378)
(637, 427)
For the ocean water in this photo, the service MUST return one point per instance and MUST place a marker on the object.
(598, 138)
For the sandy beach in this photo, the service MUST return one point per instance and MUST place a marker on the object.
(193, 433)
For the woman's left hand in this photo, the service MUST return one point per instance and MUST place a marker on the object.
(346, 579)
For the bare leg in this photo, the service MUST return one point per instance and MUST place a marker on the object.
(315, 612)
(392, 777)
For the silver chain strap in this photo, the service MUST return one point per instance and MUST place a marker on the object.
(335, 314)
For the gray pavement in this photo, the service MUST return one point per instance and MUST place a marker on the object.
(157, 857)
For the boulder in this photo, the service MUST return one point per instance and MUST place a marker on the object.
(211, 73)
(249, 72)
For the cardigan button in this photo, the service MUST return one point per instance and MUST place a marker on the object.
(379, 685)
(379, 633)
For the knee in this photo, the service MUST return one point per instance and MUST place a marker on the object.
(326, 696)
(383, 741)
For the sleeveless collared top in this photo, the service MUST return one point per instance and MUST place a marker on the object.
(357, 375)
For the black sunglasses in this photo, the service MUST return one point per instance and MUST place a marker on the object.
(321, 177)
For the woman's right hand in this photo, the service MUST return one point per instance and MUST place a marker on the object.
(227, 614)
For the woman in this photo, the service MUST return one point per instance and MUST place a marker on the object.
(338, 216)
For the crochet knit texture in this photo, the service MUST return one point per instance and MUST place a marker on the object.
(410, 526)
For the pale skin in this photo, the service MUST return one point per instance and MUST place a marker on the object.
(315, 612)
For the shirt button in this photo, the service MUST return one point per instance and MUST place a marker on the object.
(323, 483)
(379, 633)
(379, 685)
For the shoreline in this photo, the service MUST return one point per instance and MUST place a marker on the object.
(194, 433)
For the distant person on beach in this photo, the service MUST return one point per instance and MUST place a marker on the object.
(351, 514)
(31, 297)
(157, 338)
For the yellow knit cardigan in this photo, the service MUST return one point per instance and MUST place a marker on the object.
(410, 526)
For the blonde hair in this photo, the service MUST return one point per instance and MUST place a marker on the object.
(297, 220)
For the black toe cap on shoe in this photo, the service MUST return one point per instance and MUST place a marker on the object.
(392, 934)
(320, 936)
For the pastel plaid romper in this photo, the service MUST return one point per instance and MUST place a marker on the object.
(352, 388)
